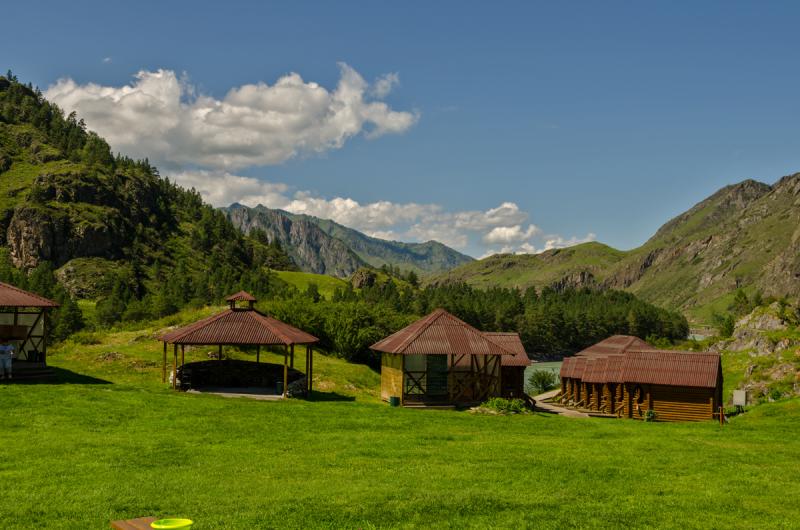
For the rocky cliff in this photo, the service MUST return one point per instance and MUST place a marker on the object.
(325, 247)
(311, 249)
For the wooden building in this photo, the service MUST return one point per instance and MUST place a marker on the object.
(24, 321)
(626, 377)
(239, 326)
(440, 359)
(512, 368)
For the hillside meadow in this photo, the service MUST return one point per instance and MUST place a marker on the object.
(107, 440)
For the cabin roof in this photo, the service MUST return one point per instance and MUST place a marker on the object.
(646, 366)
(614, 344)
(11, 296)
(510, 341)
(440, 333)
(239, 327)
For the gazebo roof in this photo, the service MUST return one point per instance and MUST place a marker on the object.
(238, 327)
(11, 296)
(440, 333)
(241, 296)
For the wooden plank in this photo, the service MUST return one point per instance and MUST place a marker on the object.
(142, 523)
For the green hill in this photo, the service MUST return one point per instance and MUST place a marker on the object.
(111, 225)
(744, 236)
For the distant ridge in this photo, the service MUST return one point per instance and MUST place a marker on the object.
(746, 235)
(325, 247)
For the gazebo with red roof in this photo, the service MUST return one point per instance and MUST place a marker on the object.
(24, 320)
(241, 326)
(512, 367)
(440, 359)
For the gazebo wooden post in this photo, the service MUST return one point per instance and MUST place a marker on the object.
(183, 356)
(175, 368)
(219, 353)
(310, 375)
(285, 369)
(258, 354)
(164, 365)
(291, 359)
(45, 322)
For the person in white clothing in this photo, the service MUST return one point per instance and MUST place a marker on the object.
(6, 352)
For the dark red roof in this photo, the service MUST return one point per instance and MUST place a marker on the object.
(673, 368)
(238, 326)
(510, 341)
(614, 344)
(595, 371)
(440, 333)
(645, 365)
(11, 296)
(241, 296)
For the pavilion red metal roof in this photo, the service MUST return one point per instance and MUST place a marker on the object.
(238, 327)
(440, 333)
(241, 296)
(510, 341)
(11, 296)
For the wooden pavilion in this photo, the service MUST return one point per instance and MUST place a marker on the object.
(241, 326)
(24, 320)
(512, 368)
(626, 377)
(440, 359)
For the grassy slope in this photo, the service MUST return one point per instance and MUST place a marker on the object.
(79, 454)
(537, 270)
(326, 284)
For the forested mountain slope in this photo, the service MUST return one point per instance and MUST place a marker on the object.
(111, 225)
(745, 235)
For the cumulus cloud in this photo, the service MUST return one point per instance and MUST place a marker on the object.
(159, 116)
(510, 234)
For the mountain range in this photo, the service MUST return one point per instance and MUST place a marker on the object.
(746, 235)
(323, 246)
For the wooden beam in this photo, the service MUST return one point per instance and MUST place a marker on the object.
(310, 369)
(258, 354)
(292, 358)
(285, 369)
(183, 356)
(164, 365)
(175, 368)
(219, 353)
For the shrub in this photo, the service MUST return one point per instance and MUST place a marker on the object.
(505, 406)
(542, 380)
(650, 415)
(85, 338)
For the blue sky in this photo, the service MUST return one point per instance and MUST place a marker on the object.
(495, 126)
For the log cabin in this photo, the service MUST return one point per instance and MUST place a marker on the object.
(626, 377)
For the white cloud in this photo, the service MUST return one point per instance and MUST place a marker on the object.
(384, 84)
(158, 116)
(510, 234)
(107, 60)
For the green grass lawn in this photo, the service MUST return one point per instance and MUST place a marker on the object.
(326, 284)
(78, 454)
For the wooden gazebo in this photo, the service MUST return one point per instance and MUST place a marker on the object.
(440, 359)
(241, 326)
(512, 367)
(24, 320)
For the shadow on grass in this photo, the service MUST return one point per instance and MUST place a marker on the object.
(316, 395)
(60, 376)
